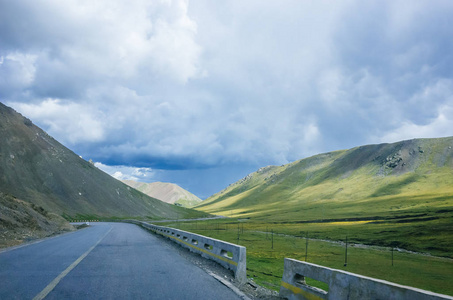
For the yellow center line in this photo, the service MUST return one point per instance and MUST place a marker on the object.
(54, 282)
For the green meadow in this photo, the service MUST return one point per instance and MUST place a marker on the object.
(269, 243)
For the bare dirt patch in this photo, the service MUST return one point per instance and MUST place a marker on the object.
(22, 222)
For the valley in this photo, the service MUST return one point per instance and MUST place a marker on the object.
(392, 204)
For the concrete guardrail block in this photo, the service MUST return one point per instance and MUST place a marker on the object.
(344, 285)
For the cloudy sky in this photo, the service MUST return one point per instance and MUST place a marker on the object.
(201, 93)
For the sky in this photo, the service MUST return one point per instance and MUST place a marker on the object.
(201, 93)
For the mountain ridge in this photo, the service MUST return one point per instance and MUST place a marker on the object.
(381, 170)
(166, 192)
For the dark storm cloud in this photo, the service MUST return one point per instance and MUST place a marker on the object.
(172, 88)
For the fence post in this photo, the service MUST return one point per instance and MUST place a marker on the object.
(346, 253)
(272, 238)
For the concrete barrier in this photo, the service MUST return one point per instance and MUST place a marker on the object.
(343, 285)
(230, 256)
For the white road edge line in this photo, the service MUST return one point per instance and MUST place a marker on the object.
(54, 282)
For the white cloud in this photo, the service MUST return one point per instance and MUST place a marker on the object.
(77, 42)
(172, 45)
(128, 173)
(441, 126)
(120, 176)
(69, 122)
(438, 120)
(17, 72)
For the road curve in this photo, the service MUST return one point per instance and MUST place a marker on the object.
(104, 261)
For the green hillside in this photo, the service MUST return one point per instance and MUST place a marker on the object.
(37, 169)
(397, 194)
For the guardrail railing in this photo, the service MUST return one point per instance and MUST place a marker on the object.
(230, 256)
(344, 285)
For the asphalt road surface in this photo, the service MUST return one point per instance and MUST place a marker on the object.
(104, 261)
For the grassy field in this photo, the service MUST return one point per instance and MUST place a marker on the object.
(266, 251)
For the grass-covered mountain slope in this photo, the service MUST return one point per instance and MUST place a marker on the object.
(37, 169)
(166, 192)
(375, 180)
(389, 194)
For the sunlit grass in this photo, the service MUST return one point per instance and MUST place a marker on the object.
(266, 252)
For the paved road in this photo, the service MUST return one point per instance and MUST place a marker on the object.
(104, 261)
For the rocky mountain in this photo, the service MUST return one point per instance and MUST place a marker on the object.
(37, 169)
(385, 180)
(166, 192)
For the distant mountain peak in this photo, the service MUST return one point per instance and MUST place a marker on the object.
(166, 192)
